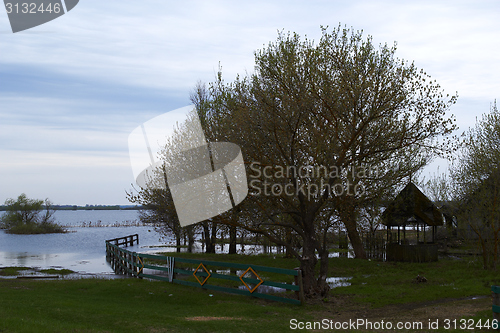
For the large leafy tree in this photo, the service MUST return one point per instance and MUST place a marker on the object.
(325, 130)
(475, 177)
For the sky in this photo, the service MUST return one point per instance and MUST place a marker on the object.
(73, 89)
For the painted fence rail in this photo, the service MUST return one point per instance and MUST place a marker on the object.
(243, 279)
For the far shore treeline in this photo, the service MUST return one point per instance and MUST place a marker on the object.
(89, 207)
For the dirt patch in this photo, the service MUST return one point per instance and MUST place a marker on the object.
(343, 308)
(442, 309)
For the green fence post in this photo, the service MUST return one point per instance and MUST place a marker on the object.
(298, 282)
(495, 292)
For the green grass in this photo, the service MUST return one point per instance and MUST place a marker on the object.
(57, 271)
(134, 305)
(12, 271)
(383, 283)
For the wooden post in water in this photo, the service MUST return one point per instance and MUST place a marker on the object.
(120, 261)
(113, 254)
(117, 263)
(134, 264)
(130, 264)
(124, 262)
(127, 264)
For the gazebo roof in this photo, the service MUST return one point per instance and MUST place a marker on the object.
(411, 206)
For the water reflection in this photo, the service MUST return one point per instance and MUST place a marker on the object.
(263, 289)
(81, 251)
(349, 254)
(335, 282)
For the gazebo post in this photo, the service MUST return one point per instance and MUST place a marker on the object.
(418, 232)
(404, 232)
(399, 238)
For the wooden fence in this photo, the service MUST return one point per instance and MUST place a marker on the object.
(242, 279)
(412, 253)
(127, 240)
(374, 245)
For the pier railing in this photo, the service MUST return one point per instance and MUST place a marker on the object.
(127, 240)
(243, 279)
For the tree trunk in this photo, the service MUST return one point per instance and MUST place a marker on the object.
(178, 242)
(232, 240)
(348, 217)
(312, 286)
(190, 235)
(209, 246)
(213, 237)
(357, 244)
(307, 264)
(242, 240)
(323, 286)
(289, 240)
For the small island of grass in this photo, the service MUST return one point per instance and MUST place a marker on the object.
(29, 216)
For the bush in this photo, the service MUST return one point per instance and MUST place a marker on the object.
(29, 216)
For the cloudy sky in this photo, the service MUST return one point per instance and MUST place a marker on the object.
(73, 89)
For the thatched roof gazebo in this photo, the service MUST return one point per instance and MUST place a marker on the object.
(411, 208)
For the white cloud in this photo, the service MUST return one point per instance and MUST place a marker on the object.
(85, 80)
(66, 178)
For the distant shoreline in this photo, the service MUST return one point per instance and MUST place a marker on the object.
(91, 207)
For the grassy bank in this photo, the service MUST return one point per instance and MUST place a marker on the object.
(384, 283)
(378, 290)
(133, 305)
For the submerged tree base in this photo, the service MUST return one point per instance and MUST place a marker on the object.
(23, 217)
(35, 228)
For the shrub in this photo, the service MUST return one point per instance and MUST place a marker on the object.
(29, 216)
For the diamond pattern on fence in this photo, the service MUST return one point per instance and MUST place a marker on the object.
(253, 275)
(205, 280)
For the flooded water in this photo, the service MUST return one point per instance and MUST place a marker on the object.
(335, 282)
(81, 249)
